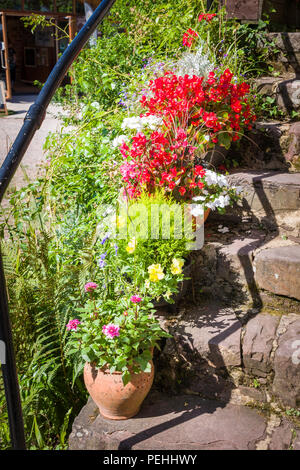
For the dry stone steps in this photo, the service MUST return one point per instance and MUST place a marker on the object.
(286, 91)
(271, 198)
(278, 270)
(214, 350)
(288, 45)
(262, 248)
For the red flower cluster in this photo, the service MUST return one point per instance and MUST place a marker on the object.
(207, 17)
(196, 114)
(189, 37)
(213, 105)
(158, 161)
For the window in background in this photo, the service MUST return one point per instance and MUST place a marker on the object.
(64, 6)
(10, 5)
(39, 5)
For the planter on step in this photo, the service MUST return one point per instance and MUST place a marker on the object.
(114, 400)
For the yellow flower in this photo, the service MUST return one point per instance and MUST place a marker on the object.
(120, 221)
(155, 272)
(147, 284)
(176, 267)
(131, 245)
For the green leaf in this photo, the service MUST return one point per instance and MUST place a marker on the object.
(224, 139)
(126, 376)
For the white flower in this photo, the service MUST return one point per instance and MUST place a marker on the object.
(95, 105)
(213, 178)
(133, 122)
(197, 209)
(221, 201)
(199, 198)
(119, 140)
(238, 189)
(153, 122)
(138, 123)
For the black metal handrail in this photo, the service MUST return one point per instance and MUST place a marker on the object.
(32, 122)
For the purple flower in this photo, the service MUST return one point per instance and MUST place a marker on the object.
(102, 261)
(116, 249)
(104, 239)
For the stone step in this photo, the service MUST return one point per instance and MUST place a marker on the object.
(242, 263)
(270, 146)
(278, 270)
(270, 198)
(285, 91)
(288, 45)
(183, 422)
(214, 348)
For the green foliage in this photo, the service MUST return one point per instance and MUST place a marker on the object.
(266, 107)
(38, 290)
(130, 351)
(293, 412)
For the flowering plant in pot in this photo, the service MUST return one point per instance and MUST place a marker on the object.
(192, 114)
(116, 340)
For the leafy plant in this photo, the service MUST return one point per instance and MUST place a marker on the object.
(116, 335)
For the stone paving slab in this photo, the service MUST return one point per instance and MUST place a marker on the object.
(235, 259)
(184, 422)
(213, 335)
(179, 422)
(272, 197)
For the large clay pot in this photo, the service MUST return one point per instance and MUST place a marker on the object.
(114, 400)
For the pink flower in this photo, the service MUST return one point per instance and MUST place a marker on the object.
(90, 286)
(111, 330)
(72, 325)
(135, 299)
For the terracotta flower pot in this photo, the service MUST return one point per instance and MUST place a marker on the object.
(206, 214)
(114, 400)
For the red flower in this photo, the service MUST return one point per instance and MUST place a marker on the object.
(199, 171)
(190, 108)
(207, 17)
(189, 37)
